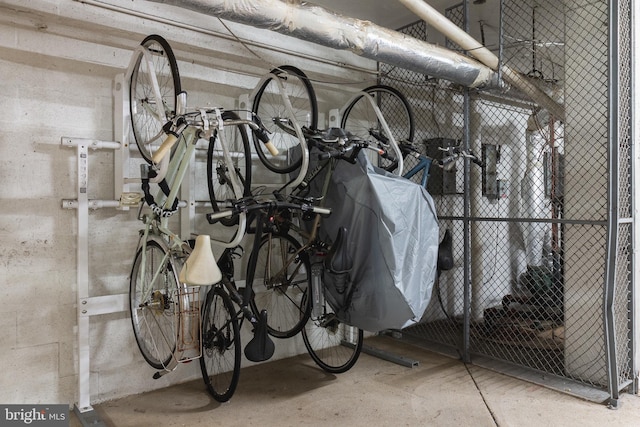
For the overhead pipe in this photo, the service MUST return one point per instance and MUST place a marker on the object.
(315, 24)
(482, 54)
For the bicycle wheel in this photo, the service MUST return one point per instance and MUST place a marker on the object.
(154, 74)
(280, 290)
(221, 348)
(154, 303)
(270, 108)
(219, 172)
(332, 344)
(359, 117)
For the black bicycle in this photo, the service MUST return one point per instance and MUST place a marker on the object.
(292, 261)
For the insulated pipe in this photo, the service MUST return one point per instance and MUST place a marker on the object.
(315, 24)
(478, 253)
(482, 54)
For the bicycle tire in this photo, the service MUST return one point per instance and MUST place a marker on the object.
(221, 347)
(360, 119)
(333, 345)
(154, 311)
(147, 125)
(218, 181)
(282, 297)
(269, 106)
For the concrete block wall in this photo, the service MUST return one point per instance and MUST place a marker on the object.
(58, 60)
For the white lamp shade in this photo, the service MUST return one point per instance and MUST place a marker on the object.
(200, 268)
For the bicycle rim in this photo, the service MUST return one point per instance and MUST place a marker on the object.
(221, 348)
(360, 118)
(154, 304)
(146, 120)
(280, 291)
(269, 106)
(333, 345)
(219, 172)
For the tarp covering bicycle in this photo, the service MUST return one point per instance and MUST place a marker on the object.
(393, 241)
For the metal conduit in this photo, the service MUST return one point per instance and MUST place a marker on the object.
(315, 24)
(484, 55)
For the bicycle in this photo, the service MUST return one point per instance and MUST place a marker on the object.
(154, 94)
(164, 291)
(217, 335)
(288, 274)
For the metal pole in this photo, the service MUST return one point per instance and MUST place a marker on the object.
(82, 277)
(635, 34)
(467, 213)
(612, 238)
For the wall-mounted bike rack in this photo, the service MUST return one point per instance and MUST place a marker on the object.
(88, 306)
(125, 198)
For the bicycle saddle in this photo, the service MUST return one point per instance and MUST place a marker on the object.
(338, 259)
(261, 347)
(334, 135)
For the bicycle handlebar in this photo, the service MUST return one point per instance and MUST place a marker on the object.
(454, 154)
(323, 139)
(246, 206)
(176, 127)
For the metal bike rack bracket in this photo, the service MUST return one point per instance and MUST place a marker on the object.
(391, 357)
(88, 306)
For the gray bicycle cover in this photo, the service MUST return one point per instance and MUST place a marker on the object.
(393, 240)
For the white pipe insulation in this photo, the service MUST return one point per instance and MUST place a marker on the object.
(315, 24)
(482, 54)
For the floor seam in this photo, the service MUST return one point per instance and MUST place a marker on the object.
(484, 400)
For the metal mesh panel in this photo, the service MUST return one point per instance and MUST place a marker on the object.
(622, 291)
(538, 211)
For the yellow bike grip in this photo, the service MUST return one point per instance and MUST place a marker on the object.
(165, 147)
(272, 148)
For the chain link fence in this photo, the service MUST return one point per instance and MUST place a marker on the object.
(539, 252)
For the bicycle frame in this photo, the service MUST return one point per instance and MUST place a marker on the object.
(156, 227)
(424, 164)
(180, 162)
(310, 238)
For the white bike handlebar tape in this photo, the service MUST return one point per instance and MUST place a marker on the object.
(221, 214)
(164, 148)
(322, 211)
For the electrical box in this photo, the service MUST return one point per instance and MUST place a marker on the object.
(441, 182)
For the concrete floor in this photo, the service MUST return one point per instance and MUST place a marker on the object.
(440, 391)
